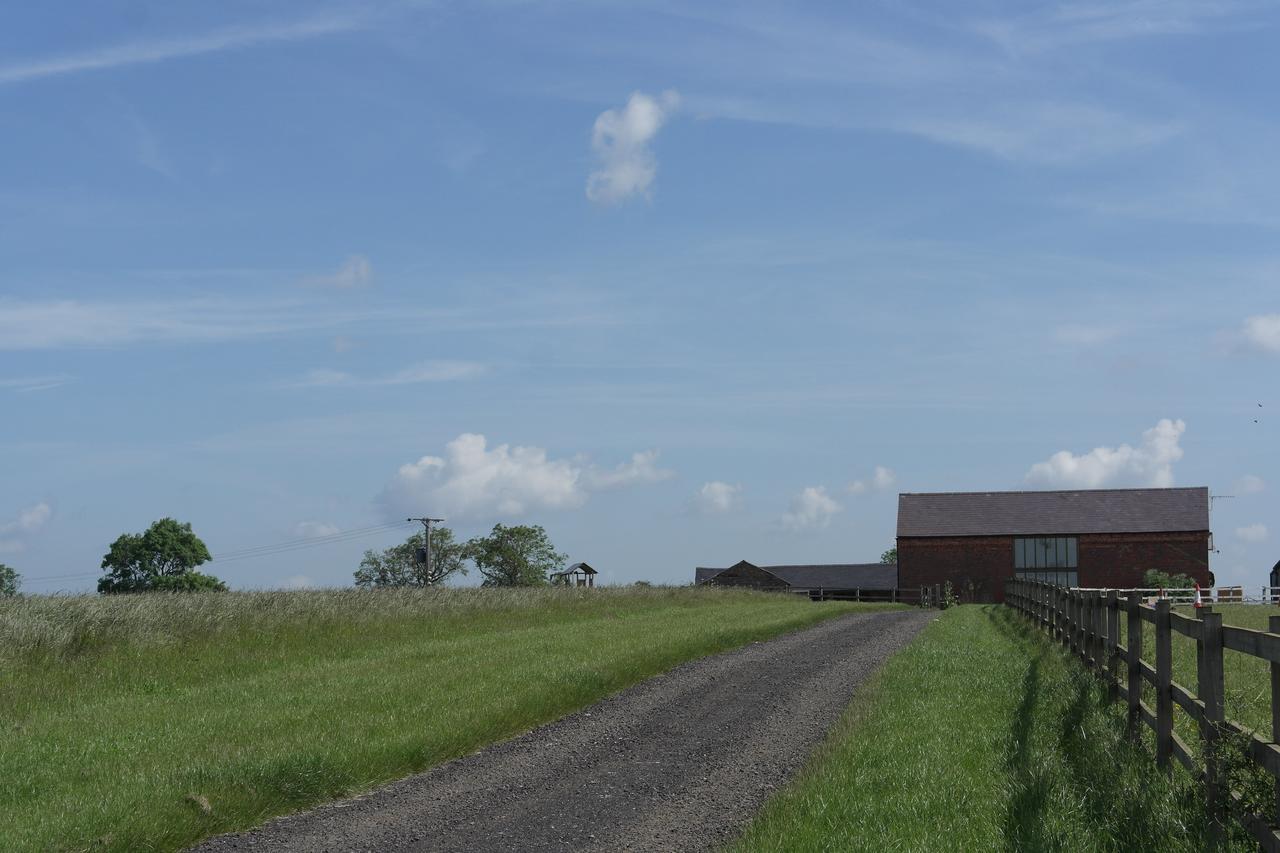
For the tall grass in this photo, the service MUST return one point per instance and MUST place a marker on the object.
(148, 722)
(981, 735)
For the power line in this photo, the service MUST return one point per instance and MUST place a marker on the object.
(344, 535)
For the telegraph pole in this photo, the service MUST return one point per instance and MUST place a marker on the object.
(426, 524)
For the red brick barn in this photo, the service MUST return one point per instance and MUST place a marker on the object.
(1088, 538)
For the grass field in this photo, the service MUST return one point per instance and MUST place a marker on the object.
(147, 722)
(981, 735)
(1248, 679)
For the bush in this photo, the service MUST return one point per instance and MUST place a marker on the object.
(1156, 579)
(188, 582)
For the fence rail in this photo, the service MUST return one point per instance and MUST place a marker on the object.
(1210, 595)
(925, 596)
(1087, 622)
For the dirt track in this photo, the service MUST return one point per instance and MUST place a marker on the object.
(679, 762)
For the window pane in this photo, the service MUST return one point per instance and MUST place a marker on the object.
(1062, 553)
(1040, 562)
(1071, 553)
(1018, 561)
(1073, 579)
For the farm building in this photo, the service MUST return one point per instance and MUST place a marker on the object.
(1089, 538)
(873, 578)
(579, 574)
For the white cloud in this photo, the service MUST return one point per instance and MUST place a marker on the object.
(299, 582)
(25, 384)
(1041, 131)
(1149, 464)
(811, 509)
(30, 520)
(643, 468)
(430, 371)
(1262, 331)
(883, 478)
(1252, 532)
(1250, 484)
(716, 498)
(620, 140)
(314, 529)
(159, 50)
(473, 480)
(1054, 26)
(356, 271)
(342, 343)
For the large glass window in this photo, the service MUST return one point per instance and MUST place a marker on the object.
(1047, 559)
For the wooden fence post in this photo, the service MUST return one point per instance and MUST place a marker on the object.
(1274, 627)
(1211, 690)
(1113, 644)
(1134, 648)
(1164, 676)
(1064, 621)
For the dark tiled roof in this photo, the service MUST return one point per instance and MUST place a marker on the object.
(1062, 512)
(830, 576)
(576, 567)
(702, 574)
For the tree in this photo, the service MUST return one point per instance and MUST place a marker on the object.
(10, 580)
(1156, 579)
(515, 556)
(890, 556)
(160, 558)
(399, 566)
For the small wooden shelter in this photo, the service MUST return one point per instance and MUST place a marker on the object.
(579, 574)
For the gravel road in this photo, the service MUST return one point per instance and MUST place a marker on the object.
(679, 762)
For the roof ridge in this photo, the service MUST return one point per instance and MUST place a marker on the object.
(1060, 491)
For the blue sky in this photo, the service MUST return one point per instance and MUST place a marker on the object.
(685, 287)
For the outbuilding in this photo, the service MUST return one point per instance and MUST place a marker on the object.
(579, 574)
(830, 579)
(1086, 537)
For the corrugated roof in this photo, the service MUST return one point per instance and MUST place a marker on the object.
(825, 576)
(1054, 512)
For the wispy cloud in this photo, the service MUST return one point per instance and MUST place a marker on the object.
(52, 324)
(1042, 132)
(882, 479)
(176, 47)
(430, 371)
(13, 534)
(355, 272)
(1067, 24)
(1262, 332)
(718, 498)
(812, 509)
(24, 384)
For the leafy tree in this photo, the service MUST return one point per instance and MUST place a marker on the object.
(1156, 579)
(890, 556)
(191, 581)
(399, 566)
(515, 556)
(9, 581)
(137, 562)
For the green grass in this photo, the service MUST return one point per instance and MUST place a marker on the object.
(981, 735)
(1247, 699)
(121, 717)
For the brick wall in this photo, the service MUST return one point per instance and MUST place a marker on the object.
(978, 566)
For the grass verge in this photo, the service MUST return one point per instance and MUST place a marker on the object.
(981, 735)
(148, 722)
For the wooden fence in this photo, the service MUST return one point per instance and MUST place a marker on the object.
(1088, 623)
(925, 596)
